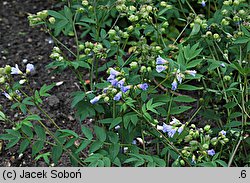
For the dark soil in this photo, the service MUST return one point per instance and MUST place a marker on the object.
(21, 44)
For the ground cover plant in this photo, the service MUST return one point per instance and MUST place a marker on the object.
(168, 84)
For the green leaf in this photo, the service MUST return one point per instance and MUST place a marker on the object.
(87, 132)
(68, 13)
(56, 14)
(67, 132)
(189, 87)
(40, 132)
(12, 142)
(56, 153)
(33, 117)
(184, 98)
(233, 124)
(221, 162)
(23, 146)
(114, 150)
(179, 109)
(38, 98)
(196, 29)
(95, 146)
(44, 89)
(83, 145)
(88, 20)
(113, 137)
(2, 116)
(27, 130)
(37, 147)
(100, 133)
(115, 122)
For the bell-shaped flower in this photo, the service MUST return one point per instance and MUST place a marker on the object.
(111, 77)
(191, 72)
(160, 68)
(7, 95)
(180, 129)
(211, 152)
(124, 89)
(118, 96)
(166, 128)
(30, 68)
(222, 132)
(172, 132)
(114, 72)
(174, 85)
(114, 82)
(203, 3)
(16, 70)
(22, 81)
(143, 86)
(95, 100)
(121, 83)
(161, 61)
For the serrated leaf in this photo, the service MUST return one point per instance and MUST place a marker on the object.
(56, 14)
(67, 132)
(2, 116)
(87, 132)
(44, 89)
(27, 130)
(12, 142)
(37, 97)
(114, 150)
(115, 122)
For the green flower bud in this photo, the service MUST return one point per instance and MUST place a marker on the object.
(133, 65)
(169, 6)
(214, 141)
(71, 33)
(143, 69)
(114, 91)
(106, 99)
(224, 22)
(222, 142)
(193, 126)
(207, 127)
(149, 8)
(236, 2)
(133, 18)
(87, 51)
(205, 146)
(196, 134)
(112, 32)
(2, 80)
(226, 140)
(194, 143)
(130, 28)
(242, 12)
(209, 34)
(132, 8)
(149, 69)
(216, 36)
(188, 138)
(81, 47)
(85, 3)
(163, 3)
(224, 12)
(52, 20)
(182, 162)
(227, 78)
(165, 24)
(125, 35)
(7, 69)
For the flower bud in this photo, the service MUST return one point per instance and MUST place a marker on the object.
(81, 47)
(112, 32)
(149, 69)
(85, 3)
(182, 162)
(205, 146)
(133, 65)
(216, 36)
(2, 80)
(227, 78)
(114, 91)
(226, 140)
(163, 3)
(236, 2)
(106, 99)
(130, 28)
(132, 8)
(207, 127)
(143, 69)
(188, 138)
(7, 69)
(194, 143)
(224, 22)
(214, 141)
(52, 20)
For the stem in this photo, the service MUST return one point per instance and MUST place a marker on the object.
(234, 152)
(76, 37)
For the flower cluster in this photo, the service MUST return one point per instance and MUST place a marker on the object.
(39, 17)
(174, 126)
(162, 65)
(117, 87)
(56, 54)
(201, 144)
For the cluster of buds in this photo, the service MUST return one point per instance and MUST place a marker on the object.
(56, 54)
(5, 74)
(116, 35)
(201, 145)
(37, 18)
(93, 49)
(162, 65)
(117, 87)
(174, 126)
(200, 21)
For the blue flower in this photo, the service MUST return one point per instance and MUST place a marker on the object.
(30, 68)
(7, 95)
(222, 132)
(211, 152)
(15, 70)
(95, 100)
(180, 129)
(179, 77)
(121, 83)
(166, 128)
(191, 72)
(203, 3)
(172, 132)
(160, 61)
(160, 68)
(111, 77)
(118, 96)
(174, 85)
(222, 65)
(114, 82)
(124, 89)
(143, 86)
(114, 72)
